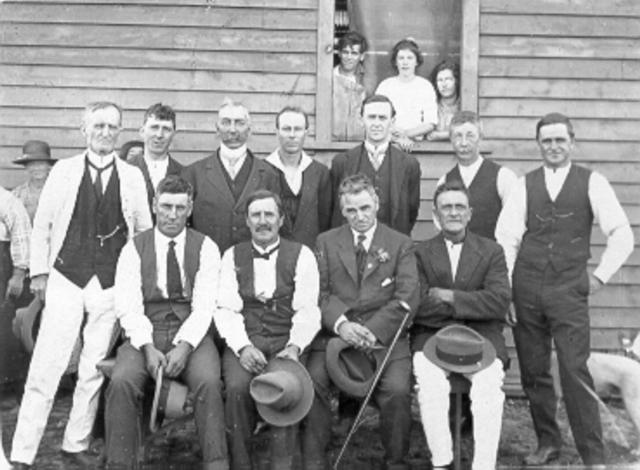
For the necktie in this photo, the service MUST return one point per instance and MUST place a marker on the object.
(97, 184)
(376, 159)
(174, 280)
(267, 255)
(361, 256)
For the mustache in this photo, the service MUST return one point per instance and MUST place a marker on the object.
(263, 227)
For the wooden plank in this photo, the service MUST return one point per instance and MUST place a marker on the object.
(525, 46)
(470, 47)
(287, 4)
(614, 317)
(567, 7)
(559, 25)
(159, 37)
(537, 107)
(559, 88)
(203, 15)
(324, 72)
(586, 150)
(530, 67)
(140, 99)
(93, 77)
(601, 339)
(167, 59)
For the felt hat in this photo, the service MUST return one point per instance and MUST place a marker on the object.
(458, 348)
(23, 323)
(169, 401)
(35, 151)
(351, 369)
(283, 392)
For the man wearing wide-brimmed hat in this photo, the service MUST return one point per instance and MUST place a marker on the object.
(36, 159)
(465, 295)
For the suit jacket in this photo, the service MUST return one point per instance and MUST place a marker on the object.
(215, 211)
(390, 276)
(405, 185)
(174, 168)
(481, 290)
(58, 199)
(314, 211)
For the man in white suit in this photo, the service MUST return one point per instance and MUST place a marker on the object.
(90, 205)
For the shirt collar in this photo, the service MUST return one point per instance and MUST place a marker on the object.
(164, 240)
(232, 154)
(151, 162)
(275, 160)
(474, 167)
(557, 172)
(380, 148)
(368, 234)
(100, 160)
(267, 248)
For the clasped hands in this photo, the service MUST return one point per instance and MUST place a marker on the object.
(173, 362)
(357, 335)
(254, 360)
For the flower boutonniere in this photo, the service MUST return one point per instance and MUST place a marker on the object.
(381, 255)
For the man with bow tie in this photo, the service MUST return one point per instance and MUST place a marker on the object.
(463, 280)
(367, 270)
(89, 206)
(268, 307)
(394, 174)
(223, 181)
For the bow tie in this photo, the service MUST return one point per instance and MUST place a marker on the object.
(267, 255)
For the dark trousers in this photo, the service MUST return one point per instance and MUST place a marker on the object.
(241, 416)
(553, 305)
(392, 397)
(126, 389)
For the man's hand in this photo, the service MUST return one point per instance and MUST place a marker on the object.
(512, 320)
(39, 285)
(15, 283)
(252, 359)
(177, 359)
(290, 352)
(356, 334)
(154, 359)
(595, 284)
(441, 295)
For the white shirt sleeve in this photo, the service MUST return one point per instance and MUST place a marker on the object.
(204, 296)
(512, 222)
(614, 224)
(305, 323)
(228, 317)
(128, 299)
(507, 180)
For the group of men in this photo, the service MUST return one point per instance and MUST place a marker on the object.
(97, 258)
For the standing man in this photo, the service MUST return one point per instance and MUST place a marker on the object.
(464, 281)
(165, 297)
(157, 132)
(395, 175)
(223, 181)
(545, 230)
(488, 183)
(268, 307)
(90, 205)
(305, 185)
(367, 271)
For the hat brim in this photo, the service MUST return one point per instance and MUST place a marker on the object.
(337, 374)
(297, 412)
(35, 158)
(22, 325)
(488, 356)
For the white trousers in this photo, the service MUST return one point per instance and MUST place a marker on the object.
(65, 308)
(487, 400)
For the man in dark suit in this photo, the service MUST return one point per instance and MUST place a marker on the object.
(463, 280)
(223, 181)
(366, 271)
(305, 184)
(157, 132)
(395, 175)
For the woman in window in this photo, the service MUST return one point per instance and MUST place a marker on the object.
(446, 80)
(412, 96)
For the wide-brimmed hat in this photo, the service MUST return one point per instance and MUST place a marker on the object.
(351, 370)
(458, 348)
(35, 151)
(23, 323)
(283, 392)
(169, 401)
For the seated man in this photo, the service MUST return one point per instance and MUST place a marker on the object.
(164, 299)
(366, 271)
(268, 307)
(464, 281)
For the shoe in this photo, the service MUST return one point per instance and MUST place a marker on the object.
(20, 466)
(84, 459)
(543, 455)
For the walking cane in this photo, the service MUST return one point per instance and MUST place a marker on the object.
(374, 382)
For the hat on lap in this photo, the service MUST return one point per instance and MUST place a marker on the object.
(458, 348)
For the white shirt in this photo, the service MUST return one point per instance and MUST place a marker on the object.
(100, 162)
(607, 212)
(157, 169)
(293, 175)
(415, 101)
(232, 159)
(305, 322)
(454, 250)
(129, 303)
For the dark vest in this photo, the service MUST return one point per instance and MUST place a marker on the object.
(381, 180)
(558, 233)
(484, 196)
(268, 323)
(155, 305)
(95, 236)
(290, 201)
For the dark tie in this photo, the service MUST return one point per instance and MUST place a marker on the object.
(267, 255)
(174, 280)
(361, 256)
(97, 184)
